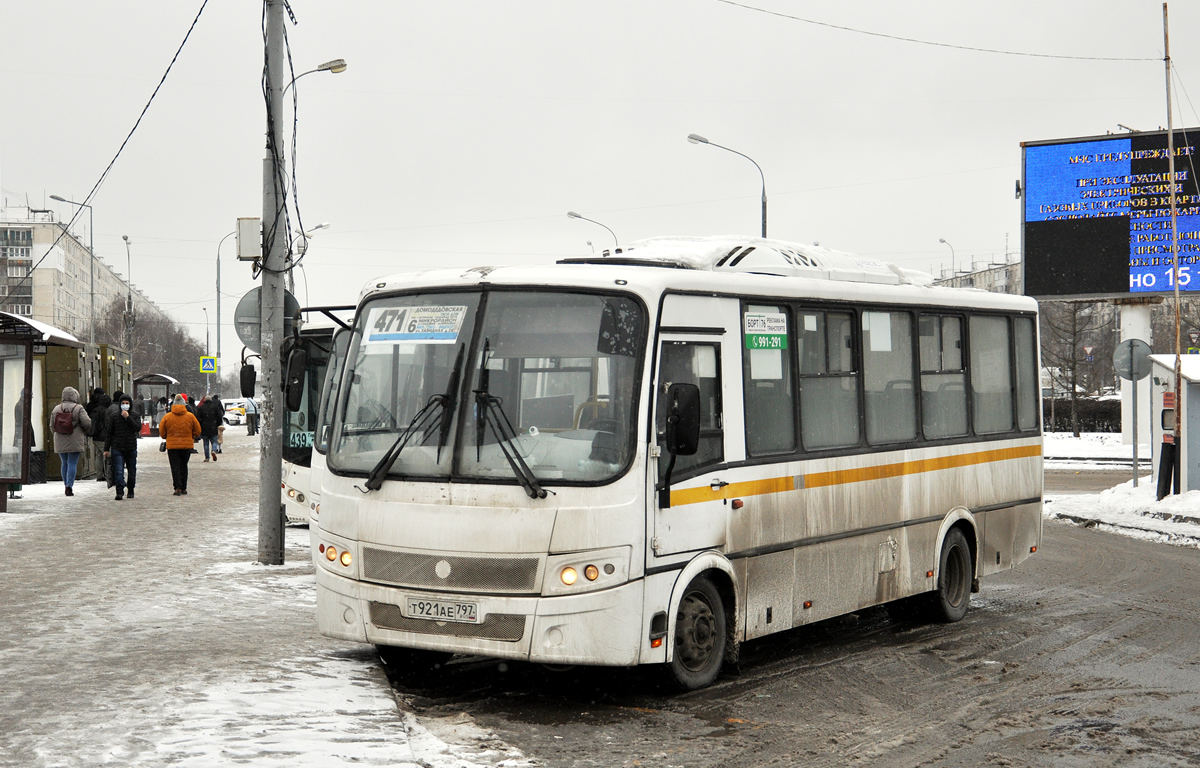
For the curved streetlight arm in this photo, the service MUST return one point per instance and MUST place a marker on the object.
(336, 66)
(943, 241)
(573, 215)
(697, 139)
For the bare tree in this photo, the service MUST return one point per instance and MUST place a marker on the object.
(1067, 326)
(157, 344)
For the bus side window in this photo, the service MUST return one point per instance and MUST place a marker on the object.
(888, 377)
(685, 362)
(943, 380)
(770, 401)
(828, 380)
(991, 374)
(1027, 374)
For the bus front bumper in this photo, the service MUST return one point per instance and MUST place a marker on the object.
(602, 627)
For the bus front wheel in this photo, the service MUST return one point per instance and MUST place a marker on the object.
(700, 636)
(955, 573)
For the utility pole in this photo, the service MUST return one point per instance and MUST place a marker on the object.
(1178, 437)
(274, 254)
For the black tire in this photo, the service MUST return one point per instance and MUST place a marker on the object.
(411, 663)
(700, 637)
(956, 571)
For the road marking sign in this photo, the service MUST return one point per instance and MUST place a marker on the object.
(208, 365)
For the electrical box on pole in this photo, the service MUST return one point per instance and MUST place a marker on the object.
(249, 239)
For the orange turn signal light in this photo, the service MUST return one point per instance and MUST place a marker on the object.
(656, 642)
(929, 574)
(1032, 550)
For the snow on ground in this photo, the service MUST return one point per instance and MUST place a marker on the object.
(1100, 445)
(323, 711)
(1133, 512)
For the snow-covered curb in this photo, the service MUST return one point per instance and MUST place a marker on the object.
(1133, 512)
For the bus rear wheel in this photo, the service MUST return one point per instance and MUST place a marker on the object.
(955, 574)
(700, 636)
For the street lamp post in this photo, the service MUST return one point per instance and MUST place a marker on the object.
(207, 352)
(697, 139)
(218, 366)
(942, 240)
(91, 265)
(129, 302)
(573, 215)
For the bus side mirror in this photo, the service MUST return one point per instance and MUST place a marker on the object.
(247, 378)
(683, 419)
(294, 381)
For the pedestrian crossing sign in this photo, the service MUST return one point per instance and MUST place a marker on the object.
(208, 365)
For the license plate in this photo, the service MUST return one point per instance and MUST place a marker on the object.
(443, 610)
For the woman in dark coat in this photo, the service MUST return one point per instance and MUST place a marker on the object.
(210, 416)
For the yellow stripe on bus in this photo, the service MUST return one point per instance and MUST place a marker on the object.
(846, 476)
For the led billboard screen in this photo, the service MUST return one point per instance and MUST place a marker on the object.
(1097, 215)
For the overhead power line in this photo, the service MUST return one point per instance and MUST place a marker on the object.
(933, 43)
(87, 200)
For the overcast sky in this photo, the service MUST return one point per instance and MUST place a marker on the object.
(463, 131)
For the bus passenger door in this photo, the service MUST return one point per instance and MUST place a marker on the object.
(696, 517)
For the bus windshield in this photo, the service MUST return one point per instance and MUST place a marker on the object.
(544, 394)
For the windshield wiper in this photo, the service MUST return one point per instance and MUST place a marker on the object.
(437, 413)
(489, 413)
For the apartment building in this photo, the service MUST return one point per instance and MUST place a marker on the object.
(48, 274)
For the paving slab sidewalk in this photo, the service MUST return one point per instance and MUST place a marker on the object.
(142, 632)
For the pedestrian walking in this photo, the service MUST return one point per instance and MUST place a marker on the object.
(97, 409)
(123, 430)
(218, 446)
(69, 421)
(251, 417)
(209, 416)
(179, 429)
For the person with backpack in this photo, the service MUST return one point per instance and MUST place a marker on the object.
(124, 429)
(70, 423)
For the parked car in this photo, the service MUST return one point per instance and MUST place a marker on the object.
(235, 411)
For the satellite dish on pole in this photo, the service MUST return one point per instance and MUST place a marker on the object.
(247, 318)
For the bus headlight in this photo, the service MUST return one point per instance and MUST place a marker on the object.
(336, 558)
(600, 569)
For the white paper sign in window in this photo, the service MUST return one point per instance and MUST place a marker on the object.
(879, 325)
(420, 325)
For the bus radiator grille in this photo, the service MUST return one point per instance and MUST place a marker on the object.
(467, 574)
(506, 627)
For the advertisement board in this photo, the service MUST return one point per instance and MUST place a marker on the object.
(1096, 215)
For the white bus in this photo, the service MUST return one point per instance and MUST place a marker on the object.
(314, 337)
(652, 456)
